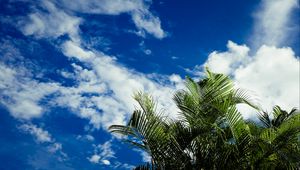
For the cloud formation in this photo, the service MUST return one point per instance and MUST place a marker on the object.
(121, 83)
(273, 23)
(50, 24)
(227, 62)
(40, 134)
(271, 74)
(143, 19)
(21, 93)
(104, 88)
(102, 154)
(97, 95)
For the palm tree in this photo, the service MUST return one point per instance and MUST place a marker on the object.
(277, 140)
(209, 133)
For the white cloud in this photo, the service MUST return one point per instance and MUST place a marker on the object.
(119, 103)
(52, 23)
(139, 11)
(274, 74)
(119, 165)
(97, 159)
(106, 162)
(21, 94)
(104, 89)
(175, 78)
(108, 84)
(108, 7)
(273, 22)
(271, 74)
(226, 62)
(114, 84)
(90, 137)
(94, 158)
(102, 154)
(55, 147)
(85, 137)
(43, 136)
(40, 134)
(107, 103)
(144, 20)
(72, 49)
(146, 157)
(105, 150)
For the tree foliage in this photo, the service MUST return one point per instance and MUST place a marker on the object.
(210, 132)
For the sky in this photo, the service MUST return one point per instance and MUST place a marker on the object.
(68, 69)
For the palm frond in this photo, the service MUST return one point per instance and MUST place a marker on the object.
(210, 132)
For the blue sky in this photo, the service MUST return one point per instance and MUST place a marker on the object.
(68, 69)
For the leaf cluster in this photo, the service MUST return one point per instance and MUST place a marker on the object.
(210, 132)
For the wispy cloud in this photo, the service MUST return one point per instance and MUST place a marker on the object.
(104, 88)
(119, 103)
(106, 7)
(43, 136)
(145, 156)
(273, 23)
(144, 20)
(144, 48)
(40, 134)
(21, 93)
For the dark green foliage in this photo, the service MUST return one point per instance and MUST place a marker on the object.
(210, 132)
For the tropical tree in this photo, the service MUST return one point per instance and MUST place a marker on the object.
(277, 140)
(210, 132)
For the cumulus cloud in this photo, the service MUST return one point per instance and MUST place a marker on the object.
(52, 23)
(271, 74)
(226, 62)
